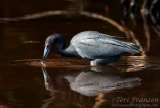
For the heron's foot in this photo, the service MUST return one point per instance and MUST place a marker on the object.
(104, 60)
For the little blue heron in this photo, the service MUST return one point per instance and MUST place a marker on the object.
(92, 46)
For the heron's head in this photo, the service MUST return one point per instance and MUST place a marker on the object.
(50, 40)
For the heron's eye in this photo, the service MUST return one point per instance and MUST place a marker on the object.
(48, 47)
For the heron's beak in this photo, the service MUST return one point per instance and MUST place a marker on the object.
(46, 52)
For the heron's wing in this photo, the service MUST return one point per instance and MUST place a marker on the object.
(102, 46)
(90, 34)
(109, 36)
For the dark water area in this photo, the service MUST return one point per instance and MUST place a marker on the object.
(131, 82)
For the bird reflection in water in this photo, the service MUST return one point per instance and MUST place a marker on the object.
(91, 82)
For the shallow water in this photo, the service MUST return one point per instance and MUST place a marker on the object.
(71, 82)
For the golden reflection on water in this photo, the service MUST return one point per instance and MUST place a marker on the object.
(47, 102)
(125, 64)
(99, 100)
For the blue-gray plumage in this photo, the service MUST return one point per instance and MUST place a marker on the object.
(93, 46)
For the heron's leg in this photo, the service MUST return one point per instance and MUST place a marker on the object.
(93, 63)
(104, 60)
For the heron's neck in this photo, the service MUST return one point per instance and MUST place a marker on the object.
(61, 47)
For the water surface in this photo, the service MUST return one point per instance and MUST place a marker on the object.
(71, 82)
